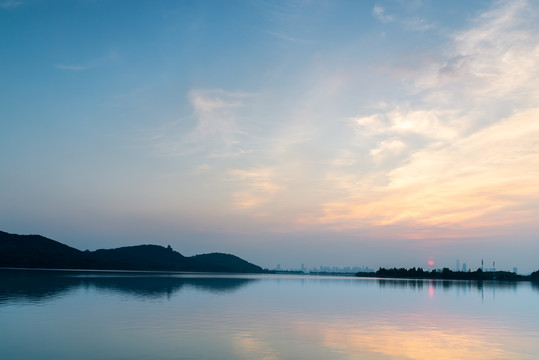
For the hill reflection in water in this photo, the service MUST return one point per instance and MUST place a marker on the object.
(36, 286)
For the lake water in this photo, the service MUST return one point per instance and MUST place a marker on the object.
(89, 315)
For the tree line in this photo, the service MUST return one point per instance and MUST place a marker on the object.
(448, 274)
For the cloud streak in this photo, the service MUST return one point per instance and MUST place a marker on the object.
(408, 23)
(74, 67)
(218, 130)
(8, 4)
(380, 13)
(89, 64)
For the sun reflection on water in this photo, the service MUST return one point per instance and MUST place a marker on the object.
(456, 339)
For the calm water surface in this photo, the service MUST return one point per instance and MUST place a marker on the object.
(88, 315)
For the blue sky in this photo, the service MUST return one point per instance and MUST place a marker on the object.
(374, 133)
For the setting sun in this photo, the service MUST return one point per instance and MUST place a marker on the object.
(431, 262)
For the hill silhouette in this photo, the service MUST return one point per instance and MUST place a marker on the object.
(144, 257)
(36, 251)
(224, 263)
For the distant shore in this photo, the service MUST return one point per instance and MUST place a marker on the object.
(447, 274)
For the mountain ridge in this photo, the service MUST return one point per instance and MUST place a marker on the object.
(37, 251)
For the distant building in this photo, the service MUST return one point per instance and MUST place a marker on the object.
(492, 269)
(515, 269)
(458, 265)
(464, 267)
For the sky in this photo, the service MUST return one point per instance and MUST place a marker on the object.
(335, 133)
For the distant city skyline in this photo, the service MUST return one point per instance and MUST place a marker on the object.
(325, 269)
(357, 267)
(381, 133)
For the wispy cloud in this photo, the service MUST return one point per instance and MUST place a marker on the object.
(414, 23)
(286, 37)
(218, 119)
(74, 67)
(431, 124)
(417, 24)
(380, 13)
(89, 64)
(495, 59)
(7, 4)
(218, 130)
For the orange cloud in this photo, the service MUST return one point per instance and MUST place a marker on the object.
(486, 179)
